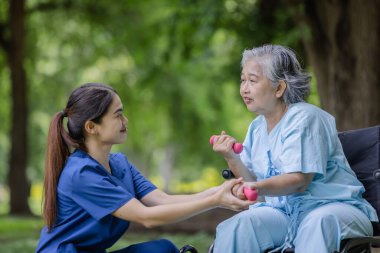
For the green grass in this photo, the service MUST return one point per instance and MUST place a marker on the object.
(20, 235)
(199, 240)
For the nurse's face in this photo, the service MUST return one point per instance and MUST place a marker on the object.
(256, 89)
(112, 128)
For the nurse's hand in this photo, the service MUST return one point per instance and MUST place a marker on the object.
(237, 191)
(227, 199)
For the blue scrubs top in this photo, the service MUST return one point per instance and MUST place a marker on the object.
(304, 140)
(87, 195)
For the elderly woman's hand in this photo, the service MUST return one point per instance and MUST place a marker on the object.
(225, 198)
(223, 144)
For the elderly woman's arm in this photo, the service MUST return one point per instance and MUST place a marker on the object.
(223, 145)
(282, 184)
(237, 167)
(275, 186)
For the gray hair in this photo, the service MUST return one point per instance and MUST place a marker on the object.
(280, 63)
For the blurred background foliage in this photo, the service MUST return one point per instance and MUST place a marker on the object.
(175, 64)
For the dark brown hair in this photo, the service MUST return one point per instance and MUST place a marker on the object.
(88, 102)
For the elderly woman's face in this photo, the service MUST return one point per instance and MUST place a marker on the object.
(256, 90)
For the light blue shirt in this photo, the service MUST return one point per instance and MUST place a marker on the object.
(304, 140)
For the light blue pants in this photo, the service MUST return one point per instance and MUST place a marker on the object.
(319, 231)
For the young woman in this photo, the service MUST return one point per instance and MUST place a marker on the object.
(293, 157)
(91, 195)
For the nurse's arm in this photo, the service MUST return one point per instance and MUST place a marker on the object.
(149, 217)
(158, 197)
(135, 211)
(283, 184)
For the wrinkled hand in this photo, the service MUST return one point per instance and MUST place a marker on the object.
(223, 144)
(226, 198)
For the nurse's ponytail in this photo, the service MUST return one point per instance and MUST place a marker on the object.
(88, 102)
(57, 152)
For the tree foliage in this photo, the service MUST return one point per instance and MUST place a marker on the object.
(165, 58)
(175, 64)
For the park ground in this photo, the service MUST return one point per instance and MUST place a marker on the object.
(20, 235)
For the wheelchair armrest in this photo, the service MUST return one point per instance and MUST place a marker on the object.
(227, 174)
(349, 244)
(188, 248)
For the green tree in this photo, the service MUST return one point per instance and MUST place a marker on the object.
(12, 41)
(340, 41)
(176, 67)
(346, 62)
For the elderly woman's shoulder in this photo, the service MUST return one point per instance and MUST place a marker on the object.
(303, 107)
(306, 112)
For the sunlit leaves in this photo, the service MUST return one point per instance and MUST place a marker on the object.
(175, 64)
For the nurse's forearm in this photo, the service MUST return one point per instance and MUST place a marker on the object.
(135, 211)
(237, 167)
(171, 213)
(158, 197)
(157, 215)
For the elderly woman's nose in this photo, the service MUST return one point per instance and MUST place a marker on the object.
(244, 87)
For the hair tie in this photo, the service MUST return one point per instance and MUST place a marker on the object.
(64, 113)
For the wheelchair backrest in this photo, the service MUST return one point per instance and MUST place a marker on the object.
(362, 149)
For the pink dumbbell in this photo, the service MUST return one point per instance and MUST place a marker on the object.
(237, 147)
(250, 194)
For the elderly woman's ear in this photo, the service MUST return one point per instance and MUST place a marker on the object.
(280, 88)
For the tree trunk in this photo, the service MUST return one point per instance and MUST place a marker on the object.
(17, 179)
(344, 51)
(165, 167)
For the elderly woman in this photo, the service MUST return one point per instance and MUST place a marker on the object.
(293, 158)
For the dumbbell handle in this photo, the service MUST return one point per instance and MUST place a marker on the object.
(237, 147)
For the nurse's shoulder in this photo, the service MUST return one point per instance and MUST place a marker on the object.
(78, 164)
